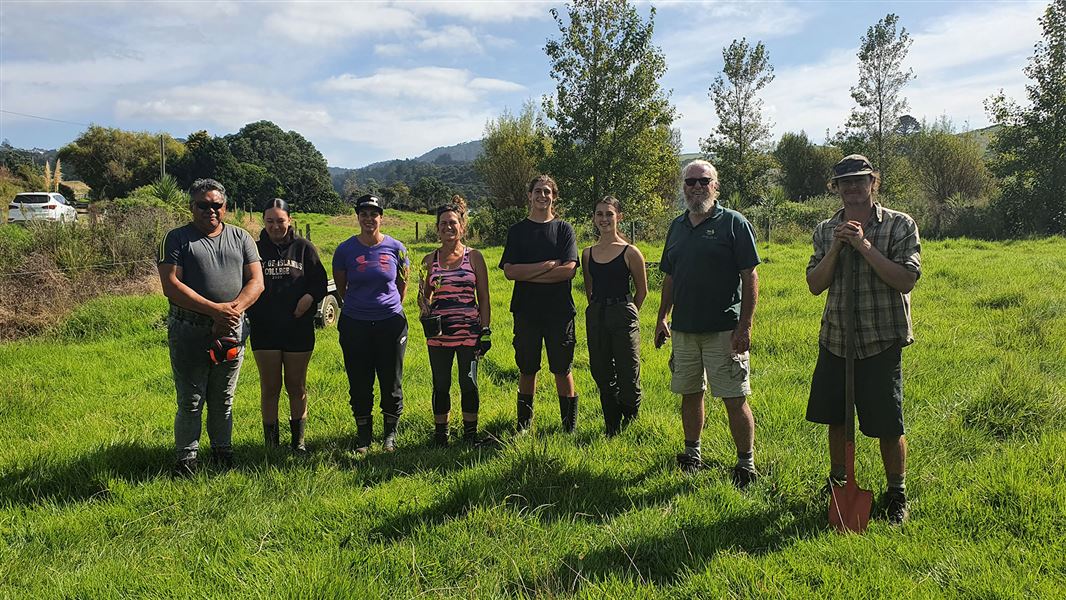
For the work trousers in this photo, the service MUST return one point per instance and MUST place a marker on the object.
(440, 361)
(374, 348)
(614, 358)
(199, 382)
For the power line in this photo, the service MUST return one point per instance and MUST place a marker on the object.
(11, 112)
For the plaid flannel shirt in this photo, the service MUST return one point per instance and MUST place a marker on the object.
(882, 313)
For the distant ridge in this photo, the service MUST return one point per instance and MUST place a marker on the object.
(459, 153)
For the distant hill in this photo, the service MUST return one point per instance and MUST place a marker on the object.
(983, 136)
(451, 164)
(459, 153)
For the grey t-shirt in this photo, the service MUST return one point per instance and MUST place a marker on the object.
(212, 266)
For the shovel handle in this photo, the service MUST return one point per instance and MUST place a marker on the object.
(849, 350)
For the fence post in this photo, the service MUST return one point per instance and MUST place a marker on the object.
(633, 231)
(416, 231)
(307, 231)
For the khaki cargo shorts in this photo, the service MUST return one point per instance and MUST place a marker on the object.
(699, 358)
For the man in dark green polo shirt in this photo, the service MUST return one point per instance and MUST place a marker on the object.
(710, 284)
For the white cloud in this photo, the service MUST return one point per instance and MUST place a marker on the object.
(450, 37)
(327, 23)
(436, 85)
(229, 104)
(393, 133)
(975, 36)
(710, 27)
(485, 11)
(390, 50)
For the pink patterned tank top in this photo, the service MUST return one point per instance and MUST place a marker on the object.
(455, 300)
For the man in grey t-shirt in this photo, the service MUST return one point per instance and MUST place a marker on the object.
(211, 274)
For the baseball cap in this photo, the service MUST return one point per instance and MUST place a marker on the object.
(368, 201)
(853, 164)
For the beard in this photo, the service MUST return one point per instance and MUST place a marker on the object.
(700, 205)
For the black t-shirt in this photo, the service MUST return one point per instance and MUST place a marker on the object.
(532, 242)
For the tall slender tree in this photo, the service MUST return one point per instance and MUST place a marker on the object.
(738, 145)
(47, 176)
(1030, 145)
(610, 117)
(513, 149)
(879, 93)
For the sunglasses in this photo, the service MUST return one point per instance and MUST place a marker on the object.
(216, 206)
(704, 181)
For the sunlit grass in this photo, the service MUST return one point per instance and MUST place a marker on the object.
(87, 508)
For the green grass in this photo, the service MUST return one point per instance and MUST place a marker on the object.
(87, 508)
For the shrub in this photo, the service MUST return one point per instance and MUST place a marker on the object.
(65, 265)
(489, 226)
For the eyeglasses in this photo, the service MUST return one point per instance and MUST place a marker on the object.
(692, 181)
(215, 206)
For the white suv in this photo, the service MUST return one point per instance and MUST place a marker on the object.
(40, 206)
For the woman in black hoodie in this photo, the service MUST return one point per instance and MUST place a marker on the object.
(283, 320)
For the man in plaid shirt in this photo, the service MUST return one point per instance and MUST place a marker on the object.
(886, 259)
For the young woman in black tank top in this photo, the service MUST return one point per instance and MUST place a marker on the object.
(611, 319)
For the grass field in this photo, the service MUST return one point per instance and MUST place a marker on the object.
(87, 508)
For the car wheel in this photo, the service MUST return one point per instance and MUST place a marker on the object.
(329, 312)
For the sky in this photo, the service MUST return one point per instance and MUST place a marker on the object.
(372, 81)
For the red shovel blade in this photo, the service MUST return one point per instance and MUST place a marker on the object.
(849, 506)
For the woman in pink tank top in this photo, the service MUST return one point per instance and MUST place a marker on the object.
(455, 288)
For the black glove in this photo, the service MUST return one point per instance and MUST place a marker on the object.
(484, 342)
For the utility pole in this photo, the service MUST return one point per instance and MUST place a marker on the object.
(162, 156)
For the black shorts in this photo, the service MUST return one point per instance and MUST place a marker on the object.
(294, 335)
(557, 334)
(878, 392)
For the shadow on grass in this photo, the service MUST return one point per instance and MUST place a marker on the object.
(535, 481)
(672, 554)
(86, 477)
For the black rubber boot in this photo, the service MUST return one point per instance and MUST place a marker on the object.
(612, 416)
(568, 412)
(271, 435)
(470, 431)
(440, 435)
(629, 414)
(184, 468)
(389, 443)
(364, 433)
(525, 411)
(297, 427)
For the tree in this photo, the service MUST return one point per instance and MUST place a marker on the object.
(804, 166)
(878, 93)
(298, 167)
(114, 162)
(737, 145)
(947, 168)
(1030, 146)
(431, 192)
(610, 118)
(513, 149)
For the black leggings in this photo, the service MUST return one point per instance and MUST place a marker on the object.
(440, 361)
(374, 347)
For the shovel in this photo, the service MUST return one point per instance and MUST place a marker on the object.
(849, 506)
